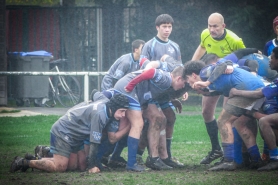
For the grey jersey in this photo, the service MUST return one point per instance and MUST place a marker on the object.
(83, 121)
(123, 65)
(147, 89)
(155, 48)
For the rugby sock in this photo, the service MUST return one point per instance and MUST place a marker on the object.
(119, 148)
(265, 150)
(228, 149)
(140, 151)
(254, 153)
(273, 154)
(168, 144)
(132, 145)
(212, 130)
(237, 147)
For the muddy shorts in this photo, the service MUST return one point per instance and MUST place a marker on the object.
(60, 147)
(238, 105)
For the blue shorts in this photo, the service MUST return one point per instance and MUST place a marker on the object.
(270, 106)
(60, 147)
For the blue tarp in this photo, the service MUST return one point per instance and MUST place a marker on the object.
(32, 53)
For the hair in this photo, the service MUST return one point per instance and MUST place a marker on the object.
(164, 19)
(275, 23)
(178, 71)
(193, 67)
(136, 44)
(210, 58)
(275, 52)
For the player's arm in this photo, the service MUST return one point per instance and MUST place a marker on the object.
(124, 128)
(146, 75)
(246, 51)
(219, 70)
(200, 51)
(92, 163)
(247, 94)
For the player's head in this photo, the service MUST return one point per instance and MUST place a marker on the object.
(275, 25)
(118, 104)
(137, 45)
(164, 19)
(164, 25)
(216, 25)
(192, 71)
(178, 78)
(210, 58)
(273, 63)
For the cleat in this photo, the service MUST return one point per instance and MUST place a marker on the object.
(92, 94)
(224, 166)
(257, 164)
(157, 164)
(42, 151)
(139, 159)
(18, 164)
(30, 157)
(120, 162)
(172, 163)
(104, 160)
(246, 159)
(177, 161)
(212, 155)
(136, 168)
(272, 165)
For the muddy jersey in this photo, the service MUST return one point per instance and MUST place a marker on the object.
(147, 89)
(83, 121)
(155, 48)
(263, 63)
(239, 79)
(269, 46)
(222, 47)
(123, 65)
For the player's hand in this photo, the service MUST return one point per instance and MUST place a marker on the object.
(177, 105)
(184, 96)
(200, 84)
(94, 170)
(126, 90)
(229, 70)
(162, 59)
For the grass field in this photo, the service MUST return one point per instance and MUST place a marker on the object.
(190, 144)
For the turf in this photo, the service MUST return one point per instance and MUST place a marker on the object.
(190, 144)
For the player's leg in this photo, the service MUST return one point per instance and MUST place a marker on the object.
(157, 124)
(266, 125)
(136, 120)
(171, 118)
(227, 138)
(208, 108)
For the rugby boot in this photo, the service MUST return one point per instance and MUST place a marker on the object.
(120, 162)
(257, 164)
(212, 155)
(157, 164)
(139, 159)
(42, 151)
(224, 166)
(19, 163)
(172, 163)
(136, 168)
(272, 165)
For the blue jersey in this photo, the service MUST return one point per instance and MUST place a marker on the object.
(269, 46)
(263, 63)
(271, 91)
(123, 65)
(239, 79)
(154, 49)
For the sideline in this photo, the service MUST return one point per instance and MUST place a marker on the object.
(32, 111)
